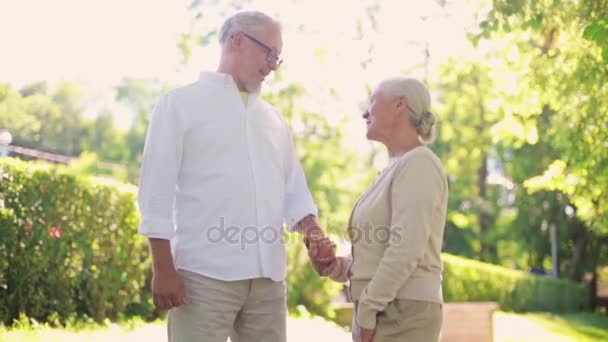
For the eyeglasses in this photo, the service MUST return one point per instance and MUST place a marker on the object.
(271, 57)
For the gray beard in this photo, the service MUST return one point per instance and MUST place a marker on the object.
(254, 89)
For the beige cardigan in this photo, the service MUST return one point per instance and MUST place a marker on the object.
(396, 231)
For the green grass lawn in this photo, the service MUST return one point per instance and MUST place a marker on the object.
(509, 327)
(298, 330)
(578, 326)
(533, 327)
(30, 330)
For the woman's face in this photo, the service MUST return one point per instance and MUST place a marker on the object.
(381, 115)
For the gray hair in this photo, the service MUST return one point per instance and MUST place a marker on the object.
(247, 21)
(419, 104)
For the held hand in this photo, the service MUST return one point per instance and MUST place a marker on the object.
(320, 249)
(168, 289)
(323, 251)
(322, 255)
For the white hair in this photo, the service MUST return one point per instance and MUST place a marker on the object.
(247, 21)
(419, 104)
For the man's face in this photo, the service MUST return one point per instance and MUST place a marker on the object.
(259, 54)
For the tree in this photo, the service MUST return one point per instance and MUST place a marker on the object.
(42, 121)
(567, 44)
(141, 96)
(467, 93)
(70, 98)
(16, 117)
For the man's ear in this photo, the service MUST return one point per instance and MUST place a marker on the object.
(236, 40)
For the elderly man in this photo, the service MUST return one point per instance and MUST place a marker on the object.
(219, 179)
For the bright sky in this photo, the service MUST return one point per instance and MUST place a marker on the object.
(98, 42)
(92, 41)
(104, 40)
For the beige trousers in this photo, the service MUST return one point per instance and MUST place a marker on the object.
(246, 310)
(405, 320)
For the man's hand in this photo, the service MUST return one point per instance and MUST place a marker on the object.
(168, 289)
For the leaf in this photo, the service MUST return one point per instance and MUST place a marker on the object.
(185, 45)
(537, 23)
(597, 32)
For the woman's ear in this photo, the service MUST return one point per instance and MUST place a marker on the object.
(401, 103)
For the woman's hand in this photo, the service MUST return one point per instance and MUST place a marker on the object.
(367, 335)
(322, 255)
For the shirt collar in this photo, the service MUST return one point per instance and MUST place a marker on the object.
(224, 80)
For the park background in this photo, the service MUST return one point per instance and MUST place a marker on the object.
(520, 88)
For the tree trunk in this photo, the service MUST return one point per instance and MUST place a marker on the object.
(488, 251)
(593, 286)
(581, 248)
(595, 247)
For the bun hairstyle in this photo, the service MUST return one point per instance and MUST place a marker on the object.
(418, 103)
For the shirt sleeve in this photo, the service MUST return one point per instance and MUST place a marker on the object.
(159, 171)
(414, 194)
(298, 199)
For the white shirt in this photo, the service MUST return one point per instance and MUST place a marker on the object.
(219, 179)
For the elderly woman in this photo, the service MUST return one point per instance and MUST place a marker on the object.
(396, 227)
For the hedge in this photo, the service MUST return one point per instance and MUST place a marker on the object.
(467, 280)
(68, 246)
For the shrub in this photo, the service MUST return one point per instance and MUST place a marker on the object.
(68, 245)
(470, 280)
(69, 248)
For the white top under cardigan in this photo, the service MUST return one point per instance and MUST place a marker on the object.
(219, 179)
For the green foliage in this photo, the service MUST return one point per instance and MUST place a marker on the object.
(69, 246)
(580, 327)
(102, 137)
(470, 280)
(332, 180)
(564, 46)
(55, 122)
(544, 326)
(78, 329)
(305, 289)
(40, 120)
(469, 108)
(88, 163)
(140, 95)
(569, 73)
(524, 231)
(532, 100)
